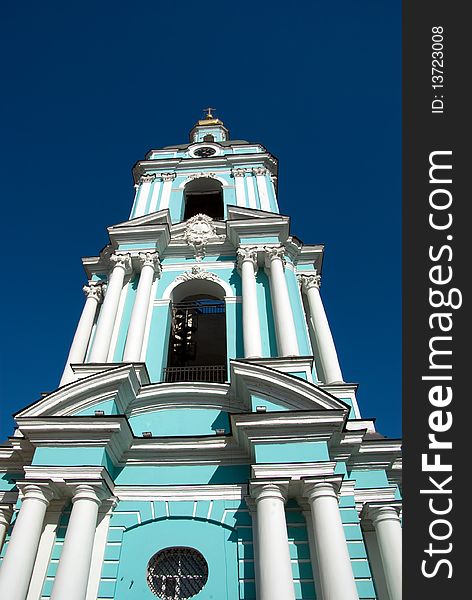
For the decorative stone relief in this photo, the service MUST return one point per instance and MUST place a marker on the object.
(147, 178)
(247, 254)
(121, 260)
(198, 175)
(309, 281)
(94, 290)
(274, 253)
(167, 176)
(150, 259)
(197, 272)
(238, 172)
(198, 231)
(259, 171)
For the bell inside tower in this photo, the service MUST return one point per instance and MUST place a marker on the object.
(197, 344)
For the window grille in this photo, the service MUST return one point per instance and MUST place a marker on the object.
(177, 573)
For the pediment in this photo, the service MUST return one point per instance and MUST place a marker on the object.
(161, 217)
(288, 391)
(119, 385)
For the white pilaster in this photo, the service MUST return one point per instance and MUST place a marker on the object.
(167, 178)
(247, 263)
(251, 194)
(275, 567)
(311, 542)
(155, 195)
(18, 563)
(144, 189)
(386, 522)
(134, 340)
(74, 565)
(324, 339)
(335, 570)
(78, 348)
(287, 344)
(106, 319)
(238, 175)
(260, 173)
(6, 512)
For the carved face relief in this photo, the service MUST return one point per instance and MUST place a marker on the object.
(198, 231)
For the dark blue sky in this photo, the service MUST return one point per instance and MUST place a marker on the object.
(89, 87)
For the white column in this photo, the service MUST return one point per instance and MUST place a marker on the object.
(144, 190)
(238, 175)
(260, 174)
(78, 349)
(18, 563)
(167, 178)
(5, 518)
(324, 339)
(247, 263)
(106, 319)
(287, 344)
(275, 567)
(74, 565)
(389, 538)
(134, 340)
(335, 570)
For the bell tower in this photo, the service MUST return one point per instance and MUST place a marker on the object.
(202, 441)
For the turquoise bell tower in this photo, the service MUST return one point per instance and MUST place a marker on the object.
(202, 442)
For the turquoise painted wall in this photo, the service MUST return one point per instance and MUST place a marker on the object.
(304, 345)
(182, 421)
(125, 319)
(291, 452)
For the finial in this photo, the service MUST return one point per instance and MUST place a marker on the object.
(208, 111)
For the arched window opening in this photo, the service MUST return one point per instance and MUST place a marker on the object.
(204, 195)
(208, 138)
(197, 344)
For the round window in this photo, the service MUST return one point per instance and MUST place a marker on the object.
(177, 573)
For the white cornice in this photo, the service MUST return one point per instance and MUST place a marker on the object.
(292, 392)
(181, 493)
(120, 384)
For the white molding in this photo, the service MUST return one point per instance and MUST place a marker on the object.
(177, 493)
(227, 291)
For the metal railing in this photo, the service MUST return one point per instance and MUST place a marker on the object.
(209, 373)
(201, 307)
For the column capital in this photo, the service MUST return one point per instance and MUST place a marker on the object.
(94, 290)
(238, 172)
(86, 491)
(168, 176)
(259, 490)
(150, 259)
(6, 511)
(309, 281)
(147, 178)
(121, 260)
(36, 491)
(258, 171)
(247, 254)
(274, 253)
(317, 488)
(377, 512)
